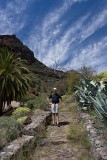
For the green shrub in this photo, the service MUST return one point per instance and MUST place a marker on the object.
(77, 134)
(31, 103)
(41, 102)
(74, 133)
(21, 119)
(9, 130)
(64, 97)
(38, 102)
(21, 112)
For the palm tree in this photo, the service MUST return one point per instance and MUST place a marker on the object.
(14, 79)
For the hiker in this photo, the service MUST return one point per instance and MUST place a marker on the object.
(54, 100)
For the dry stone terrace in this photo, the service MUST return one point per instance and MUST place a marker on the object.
(53, 143)
(56, 146)
(16, 149)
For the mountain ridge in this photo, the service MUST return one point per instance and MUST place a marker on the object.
(16, 46)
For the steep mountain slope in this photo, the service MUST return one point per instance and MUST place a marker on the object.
(15, 45)
(43, 77)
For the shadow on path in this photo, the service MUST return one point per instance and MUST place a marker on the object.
(64, 123)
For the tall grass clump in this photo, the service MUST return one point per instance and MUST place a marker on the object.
(76, 132)
(9, 130)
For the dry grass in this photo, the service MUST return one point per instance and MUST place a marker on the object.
(77, 135)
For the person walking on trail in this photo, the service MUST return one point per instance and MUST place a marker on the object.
(54, 100)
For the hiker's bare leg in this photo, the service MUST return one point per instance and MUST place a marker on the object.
(53, 118)
(57, 118)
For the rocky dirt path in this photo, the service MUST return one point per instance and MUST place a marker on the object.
(56, 146)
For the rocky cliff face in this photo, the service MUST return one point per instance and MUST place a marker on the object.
(14, 44)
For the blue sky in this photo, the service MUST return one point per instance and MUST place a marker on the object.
(71, 33)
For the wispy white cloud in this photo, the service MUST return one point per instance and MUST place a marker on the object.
(51, 44)
(46, 40)
(11, 17)
(96, 22)
(91, 55)
(62, 47)
(54, 16)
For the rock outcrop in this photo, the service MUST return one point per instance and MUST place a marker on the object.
(15, 45)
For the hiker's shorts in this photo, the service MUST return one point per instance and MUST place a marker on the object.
(54, 108)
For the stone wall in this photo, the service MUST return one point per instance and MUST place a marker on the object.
(99, 147)
(24, 144)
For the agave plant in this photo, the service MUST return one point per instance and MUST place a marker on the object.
(93, 94)
(100, 104)
(81, 97)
